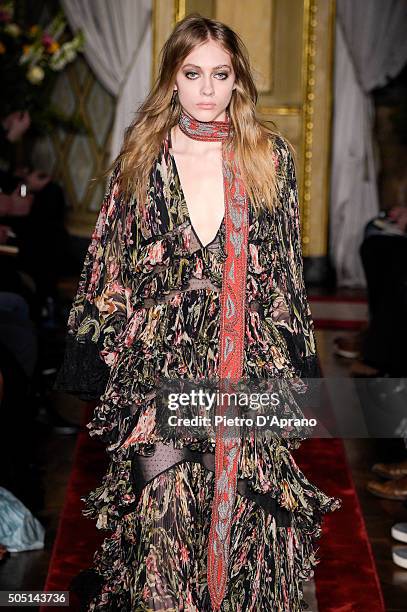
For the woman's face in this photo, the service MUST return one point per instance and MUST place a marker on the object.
(205, 82)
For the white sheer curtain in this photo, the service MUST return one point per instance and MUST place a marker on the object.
(118, 48)
(371, 48)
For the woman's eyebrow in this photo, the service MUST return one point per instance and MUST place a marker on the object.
(214, 68)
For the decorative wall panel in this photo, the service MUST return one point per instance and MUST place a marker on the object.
(79, 160)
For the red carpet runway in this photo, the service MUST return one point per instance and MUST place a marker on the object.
(346, 579)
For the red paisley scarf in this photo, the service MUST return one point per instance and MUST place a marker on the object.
(232, 319)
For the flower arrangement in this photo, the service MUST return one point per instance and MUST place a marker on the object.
(31, 56)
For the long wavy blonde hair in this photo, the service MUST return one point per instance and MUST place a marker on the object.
(252, 138)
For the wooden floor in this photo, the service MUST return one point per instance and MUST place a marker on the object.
(28, 570)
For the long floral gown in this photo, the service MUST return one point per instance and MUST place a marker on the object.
(148, 303)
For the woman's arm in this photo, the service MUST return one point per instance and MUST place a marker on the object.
(303, 346)
(99, 308)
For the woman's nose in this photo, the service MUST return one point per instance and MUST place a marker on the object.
(207, 86)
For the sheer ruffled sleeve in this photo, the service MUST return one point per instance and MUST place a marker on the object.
(99, 309)
(302, 344)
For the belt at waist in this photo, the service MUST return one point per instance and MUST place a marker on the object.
(166, 456)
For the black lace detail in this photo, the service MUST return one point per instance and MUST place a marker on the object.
(83, 372)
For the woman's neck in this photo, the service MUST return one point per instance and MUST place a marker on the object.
(181, 143)
(194, 136)
(223, 116)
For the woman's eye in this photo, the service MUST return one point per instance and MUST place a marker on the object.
(223, 75)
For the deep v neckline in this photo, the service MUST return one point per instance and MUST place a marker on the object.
(184, 203)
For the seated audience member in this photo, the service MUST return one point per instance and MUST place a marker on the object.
(12, 129)
(17, 447)
(37, 219)
(17, 331)
(381, 346)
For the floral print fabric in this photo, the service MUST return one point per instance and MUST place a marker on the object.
(137, 315)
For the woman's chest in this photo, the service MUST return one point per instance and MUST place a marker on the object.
(167, 218)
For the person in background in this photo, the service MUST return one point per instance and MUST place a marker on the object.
(34, 212)
(13, 204)
(380, 347)
(12, 129)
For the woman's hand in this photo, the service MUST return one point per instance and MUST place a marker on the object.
(399, 215)
(4, 233)
(16, 124)
(20, 206)
(5, 204)
(37, 180)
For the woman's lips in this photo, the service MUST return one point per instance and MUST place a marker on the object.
(207, 105)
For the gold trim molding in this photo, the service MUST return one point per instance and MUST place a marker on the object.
(279, 110)
(308, 80)
(179, 10)
(315, 220)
